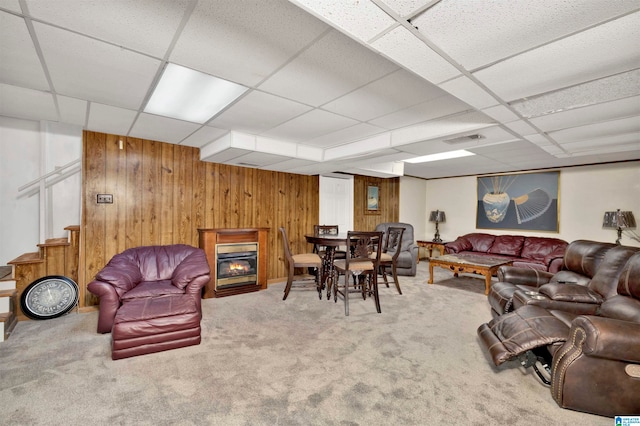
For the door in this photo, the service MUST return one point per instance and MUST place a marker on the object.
(336, 201)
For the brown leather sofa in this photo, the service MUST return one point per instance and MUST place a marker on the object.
(591, 347)
(539, 253)
(150, 298)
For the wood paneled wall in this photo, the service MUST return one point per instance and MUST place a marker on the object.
(162, 194)
(389, 193)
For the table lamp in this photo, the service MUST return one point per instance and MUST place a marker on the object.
(437, 216)
(619, 220)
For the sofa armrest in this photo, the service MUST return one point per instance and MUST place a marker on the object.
(109, 303)
(193, 266)
(460, 244)
(608, 338)
(523, 276)
(570, 293)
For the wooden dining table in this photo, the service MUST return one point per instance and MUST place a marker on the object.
(331, 242)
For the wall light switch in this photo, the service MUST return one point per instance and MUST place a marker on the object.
(105, 198)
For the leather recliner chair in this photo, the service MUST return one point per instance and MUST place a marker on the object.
(595, 364)
(408, 257)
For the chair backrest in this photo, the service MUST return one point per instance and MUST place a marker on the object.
(366, 248)
(285, 242)
(407, 237)
(393, 241)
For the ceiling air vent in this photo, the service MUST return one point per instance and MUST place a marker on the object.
(462, 139)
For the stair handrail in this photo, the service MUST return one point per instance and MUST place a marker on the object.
(56, 171)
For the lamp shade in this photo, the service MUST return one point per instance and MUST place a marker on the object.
(437, 216)
(618, 219)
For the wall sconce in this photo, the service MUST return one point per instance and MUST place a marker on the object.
(437, 216)
(618, 220)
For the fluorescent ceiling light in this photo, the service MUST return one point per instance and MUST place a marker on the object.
(440, 156)
(190, 95)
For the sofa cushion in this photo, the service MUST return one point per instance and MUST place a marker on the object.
(152, 289)
(538, 248)
(510, 245)
(622, 308)
(480, 242)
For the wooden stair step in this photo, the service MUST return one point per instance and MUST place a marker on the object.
(8, 300)
(54, 242)
(8, 322)
(27, 258)
(5, 272)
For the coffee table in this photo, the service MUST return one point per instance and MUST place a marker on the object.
(481, 265)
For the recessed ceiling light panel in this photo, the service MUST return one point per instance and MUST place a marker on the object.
(440, 156)
(191, 95)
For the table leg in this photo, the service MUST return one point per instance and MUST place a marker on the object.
(430, 273)
(487, 282)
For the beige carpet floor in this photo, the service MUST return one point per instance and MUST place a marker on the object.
(264, 361)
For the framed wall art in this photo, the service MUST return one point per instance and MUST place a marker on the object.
(519, 201)
(373, 199)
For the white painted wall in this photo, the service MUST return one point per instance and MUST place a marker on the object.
(29, 149)
(586, 192)
(413, 204)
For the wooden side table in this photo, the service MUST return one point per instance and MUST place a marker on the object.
(430, 245)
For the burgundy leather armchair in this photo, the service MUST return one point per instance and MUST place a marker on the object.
(148, 272)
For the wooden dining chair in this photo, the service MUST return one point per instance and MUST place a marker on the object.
(389, 255)
(362, 264)
(302, 260)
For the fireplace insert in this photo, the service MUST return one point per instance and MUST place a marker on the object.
(236, 265)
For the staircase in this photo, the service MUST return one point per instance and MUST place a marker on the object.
(56, 256)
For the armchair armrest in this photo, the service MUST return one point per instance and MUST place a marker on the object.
(608, 338)
(109, 303)
(570, 293)
(193, 266)
(523, 276)
(121, 273)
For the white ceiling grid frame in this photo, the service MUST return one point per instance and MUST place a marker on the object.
(469, 91)
(589, 55)
(429, 110)
(349, 134)
(251, 46)
(20, 64)
(361, 147)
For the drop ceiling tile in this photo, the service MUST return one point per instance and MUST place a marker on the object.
(353, 133)
(468, 91)
(331, 67)
(203, 136)
(585, 56)
(26, 103)
(73, 111)
(620, 142)
(291, 163)
(85, 68)
(406, 7)
(161, 129)
(109, 119)
(257, 159)
(597, 130)
(309, 126)
(11, 5)
(406, 49)
(143, 25)
(605, 89)
(244, 44)
(521, 127)
(362, 19)
(501, 113)
(589, 114)
(392, 93)
(451, 24)
(429, 110)
(19, 62)
(258, 112)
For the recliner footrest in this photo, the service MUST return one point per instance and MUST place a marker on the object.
(512, 334)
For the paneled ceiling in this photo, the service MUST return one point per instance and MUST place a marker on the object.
(353, 86)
